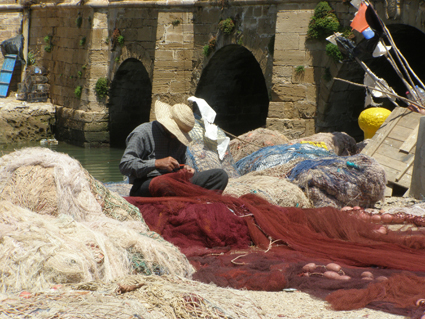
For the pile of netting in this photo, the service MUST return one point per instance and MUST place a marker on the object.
(248, 243)
(340, 143)
(60, 225)
(272, 156)
(252, 141)
(148, 297)
(277, 191)
(202, 152)
(340, 181)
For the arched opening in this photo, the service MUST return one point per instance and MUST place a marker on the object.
(130, 99)
(234, 86)
(346, 101)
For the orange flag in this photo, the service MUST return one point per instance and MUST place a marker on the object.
(359, 22)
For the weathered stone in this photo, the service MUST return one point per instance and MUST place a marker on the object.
(292, 129)
(288, 93)
(281, 110)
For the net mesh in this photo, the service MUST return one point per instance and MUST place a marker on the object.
(340, 143)
(64, 211)
(202, 152)
(272, 156)
(340, 181)
(252, 141)
(284, 238)
(275, 190)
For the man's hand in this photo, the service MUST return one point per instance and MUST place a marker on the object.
(167, 163)
(189, 169)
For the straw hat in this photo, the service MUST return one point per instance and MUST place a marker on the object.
(177, 119)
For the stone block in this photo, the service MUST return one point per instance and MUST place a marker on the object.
(164, 55)
(306, 76)
(281, 110)
(96, 126)
(289, 57)
(287, 41)
(293, 21)
(291, 128)
(96, 137)
(288, 93)
(305, 110)
(145, 34)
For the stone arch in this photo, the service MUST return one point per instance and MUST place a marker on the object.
(130, 100)
(233, 84)
(345, 102)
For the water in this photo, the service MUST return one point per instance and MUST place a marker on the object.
(101, 163)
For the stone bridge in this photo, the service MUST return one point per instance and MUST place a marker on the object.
(170, 50)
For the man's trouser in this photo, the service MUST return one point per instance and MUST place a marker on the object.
(213, 179)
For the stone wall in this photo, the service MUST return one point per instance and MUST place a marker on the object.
(168, 39)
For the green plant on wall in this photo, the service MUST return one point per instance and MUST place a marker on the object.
(107, 40)
(31, 58)
(101, 87)
(120, 40)
(332, 50)
(78, 90)
(48, 40)
(82, 41)
(79, 21)
(176, 22)
(300, 69)
(227, 25)
(206, 50)
(240, 40)
(324, 22)
(80, 74)
(117, 59)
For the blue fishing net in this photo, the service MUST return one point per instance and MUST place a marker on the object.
(272, 156)
(339, 181)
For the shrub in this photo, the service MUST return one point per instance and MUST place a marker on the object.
(79, 21)
(207, 50)
(332, 50)
(324, 22)
(120, 40)
(176, 22)
(101, 87)
(48, 48)
(78, 91)
(31, 58)
(83, 41)
(227, 26)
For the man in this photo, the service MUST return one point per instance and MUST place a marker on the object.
(159, 147)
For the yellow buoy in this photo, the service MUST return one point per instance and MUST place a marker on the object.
(371, 119)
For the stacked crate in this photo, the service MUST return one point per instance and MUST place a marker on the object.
(35, 86)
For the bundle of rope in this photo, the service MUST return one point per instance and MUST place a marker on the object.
(340, 143)
(53, 191)
(252, 141)
(277, 191)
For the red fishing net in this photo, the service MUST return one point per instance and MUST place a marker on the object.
(248, 243)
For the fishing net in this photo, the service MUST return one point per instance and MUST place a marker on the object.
(340, 143)
(277, 191)
(356, 180)
(202, 152)
(283, 237)
(272, 156)
(52, 184)
(252, 141)
(148, 297)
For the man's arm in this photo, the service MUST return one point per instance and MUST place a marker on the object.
(135, 160)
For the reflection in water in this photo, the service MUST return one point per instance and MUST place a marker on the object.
(101, 163)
